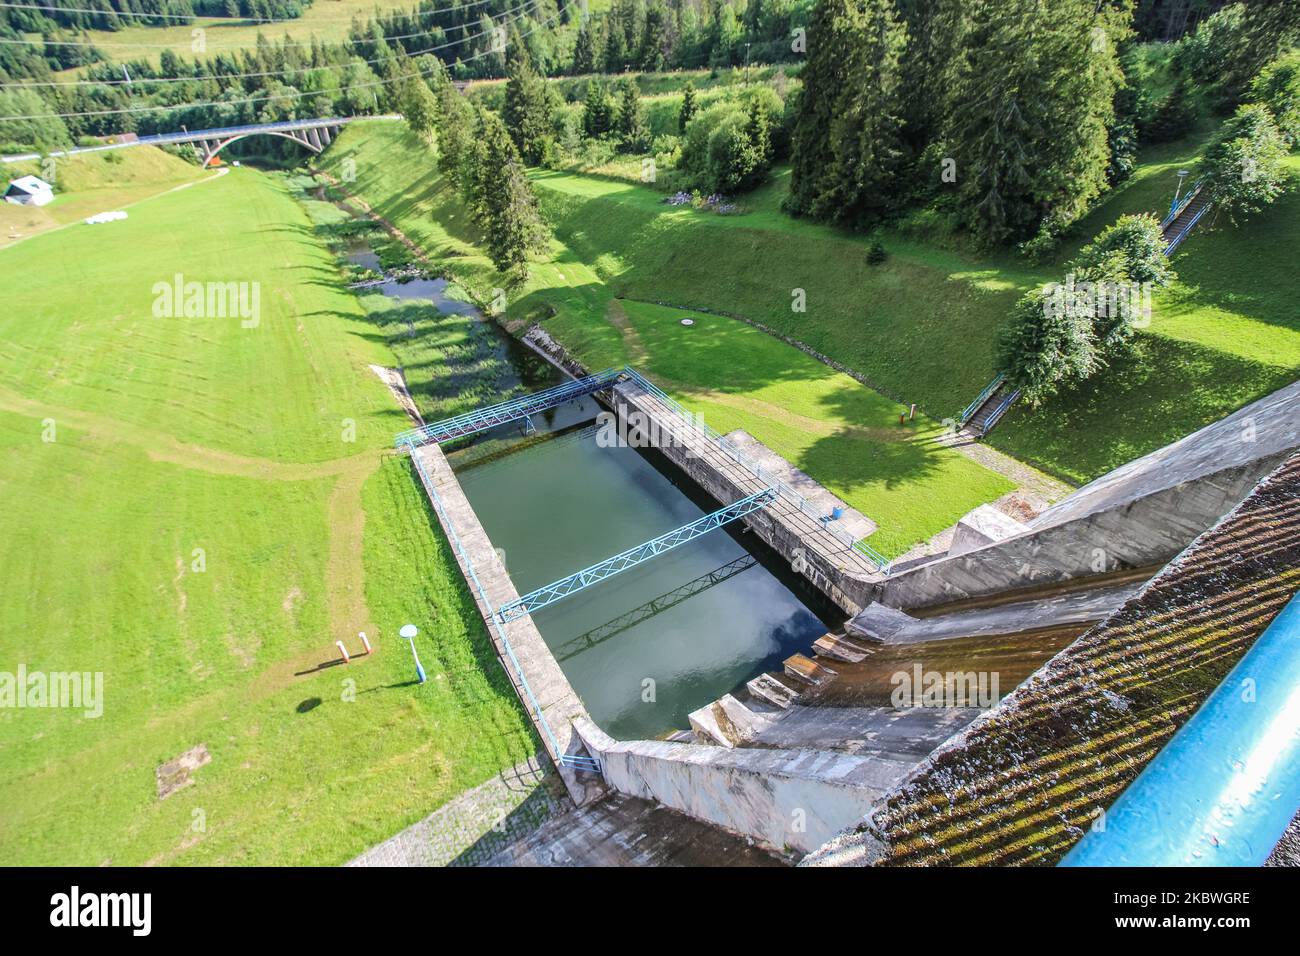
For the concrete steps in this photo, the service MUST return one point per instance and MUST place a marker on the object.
(839, 647)
(728, 723)
(805, 668)
(773, 690)
(876, 622)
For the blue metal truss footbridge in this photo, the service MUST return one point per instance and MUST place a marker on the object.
(499, 414)
(625, 560)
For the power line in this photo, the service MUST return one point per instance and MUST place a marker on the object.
(236, 20)
(278, 96)
(167, 46)
(524, 11)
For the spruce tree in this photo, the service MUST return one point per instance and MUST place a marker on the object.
(689, 106)
(634, 135)
(512, 222)
(584, 53)
(526, 111)
(823, 80)
(846, 145)
(597, 111)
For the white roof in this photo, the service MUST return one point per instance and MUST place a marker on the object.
(32, 184)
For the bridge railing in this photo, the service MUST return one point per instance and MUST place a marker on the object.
(740, 457)
(490, 416)
(567, 760)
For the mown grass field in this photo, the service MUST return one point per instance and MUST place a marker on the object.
(329, 20)
(198, 510)
(90, 183)
(840, 432)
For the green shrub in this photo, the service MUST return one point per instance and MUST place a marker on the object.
(1278, 88)
(1245, 164)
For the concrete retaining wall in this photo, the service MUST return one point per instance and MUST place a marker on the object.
(784, 799)
(1141, 514)
(838, 571)
(559, 702)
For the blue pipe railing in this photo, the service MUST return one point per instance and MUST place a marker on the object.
(1177, 205)
(1224, 790)
(980, 399)
(1000, 411)
(745, 461)
(1177, 241)
(564, 759)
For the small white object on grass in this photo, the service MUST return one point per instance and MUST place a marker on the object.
(688, 321)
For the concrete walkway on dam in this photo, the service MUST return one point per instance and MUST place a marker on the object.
(531, 660)
(841, 572)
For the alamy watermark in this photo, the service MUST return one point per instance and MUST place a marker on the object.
(633, 428)
(208, 300)
(1128, 301)
(69, 690)
(922, 688)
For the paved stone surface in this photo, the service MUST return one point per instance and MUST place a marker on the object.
(626, 831)
(479, 823)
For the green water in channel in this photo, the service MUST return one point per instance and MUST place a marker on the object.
(645, 647)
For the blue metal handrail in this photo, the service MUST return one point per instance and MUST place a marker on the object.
(1224, 790)
(1176, 206)
(545, 596)
(490, 416)
(1000, 411)
(567, 760)
(1183, 233)
(983, 397)
(786, 492)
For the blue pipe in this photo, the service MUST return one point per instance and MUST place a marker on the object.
(1222, 792)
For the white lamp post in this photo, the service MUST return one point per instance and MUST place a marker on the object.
(408, 631)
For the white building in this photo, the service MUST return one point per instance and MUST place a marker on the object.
(29, 191)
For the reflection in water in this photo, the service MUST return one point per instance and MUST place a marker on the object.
(656, 605)
(692, 624)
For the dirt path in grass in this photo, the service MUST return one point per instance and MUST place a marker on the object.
(162, 447)
(346, 519)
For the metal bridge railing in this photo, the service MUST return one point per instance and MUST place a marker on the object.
(567, 760)
(547, 595)
(789, 494)
(490, 416)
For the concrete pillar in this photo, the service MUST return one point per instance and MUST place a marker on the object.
(313, 138)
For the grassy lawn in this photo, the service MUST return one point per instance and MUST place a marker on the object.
(176, 434)
(1224, 334)
(90, 183)
(834, 428)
